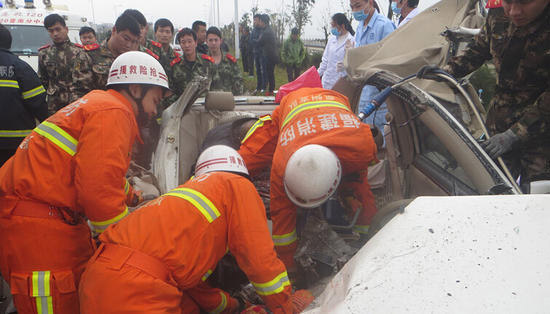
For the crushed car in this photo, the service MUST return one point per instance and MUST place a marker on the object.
(431, 144)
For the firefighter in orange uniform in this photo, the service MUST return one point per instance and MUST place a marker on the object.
(69, 169)
(312, 141)
(157, 258)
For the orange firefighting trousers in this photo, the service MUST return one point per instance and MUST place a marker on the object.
(146, 276)
(42, 258)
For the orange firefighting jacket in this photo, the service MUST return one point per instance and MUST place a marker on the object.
(310, 116)
(191, 228)
(76, 159)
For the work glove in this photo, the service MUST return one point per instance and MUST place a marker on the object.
(137, 198)
(301, 299)
(255, 309)
(500, 143)
(428, 72)
(340, 66)
(349, 44)
(377, 136)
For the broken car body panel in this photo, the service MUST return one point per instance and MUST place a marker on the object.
(477, 254)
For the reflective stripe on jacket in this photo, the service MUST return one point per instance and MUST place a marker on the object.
(308, 116)
(23, 100)
(77, 159)
(213, 212)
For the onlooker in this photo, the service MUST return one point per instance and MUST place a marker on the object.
(63, 67)
(293, 54)
(191, 65)
(406, 9)
(246, 53)
(259, 58)
(124, 37)
(268, 43)
(199, 27)
(23, 99)
(87, 35)
(161, 49)
(332, 67)
(226, 74)
(143, 26)
(372, 28)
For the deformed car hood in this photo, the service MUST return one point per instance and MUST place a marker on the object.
(465, 254)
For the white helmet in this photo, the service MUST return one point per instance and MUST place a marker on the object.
(312, 175)
(220, 158)
(136, 67)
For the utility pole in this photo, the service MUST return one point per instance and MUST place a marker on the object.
(93, 12)
(236, 22)
(218, 13)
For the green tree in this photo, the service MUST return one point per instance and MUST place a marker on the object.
(245, 20)
(228, 35)
(279, 24)
(301, 12)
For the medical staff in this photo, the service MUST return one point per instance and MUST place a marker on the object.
(332, 66)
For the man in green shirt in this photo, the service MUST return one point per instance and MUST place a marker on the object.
(293, 55)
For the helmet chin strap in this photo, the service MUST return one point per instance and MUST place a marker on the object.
(142, 118)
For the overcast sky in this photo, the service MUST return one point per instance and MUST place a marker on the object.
(183, 13)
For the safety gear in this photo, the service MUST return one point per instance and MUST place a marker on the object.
(312, 175)
(301, 299)
(350, 43)
(60, 160)
(500, 143)
(360, 15)
(71, 165)
(206, 212)
(340, 66)
(136, 67)
(43, 283)
(334, 31)
(255, 309)
(395, 9)
(309, 116)
(220, 158)
(23, 101)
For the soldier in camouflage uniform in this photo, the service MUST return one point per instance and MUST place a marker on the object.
(185, 68)
(161, 49)
(124, 37)
(516, 37)
(63, 67)
(226, 74)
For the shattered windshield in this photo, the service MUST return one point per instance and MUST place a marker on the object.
(27, 39)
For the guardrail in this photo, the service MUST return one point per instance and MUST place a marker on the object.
(314, 45)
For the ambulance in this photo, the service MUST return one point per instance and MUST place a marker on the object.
(26, 24)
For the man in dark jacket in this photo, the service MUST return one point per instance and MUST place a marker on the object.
(246, 53)
(268, 44)
(257, 51)
(22, 98)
